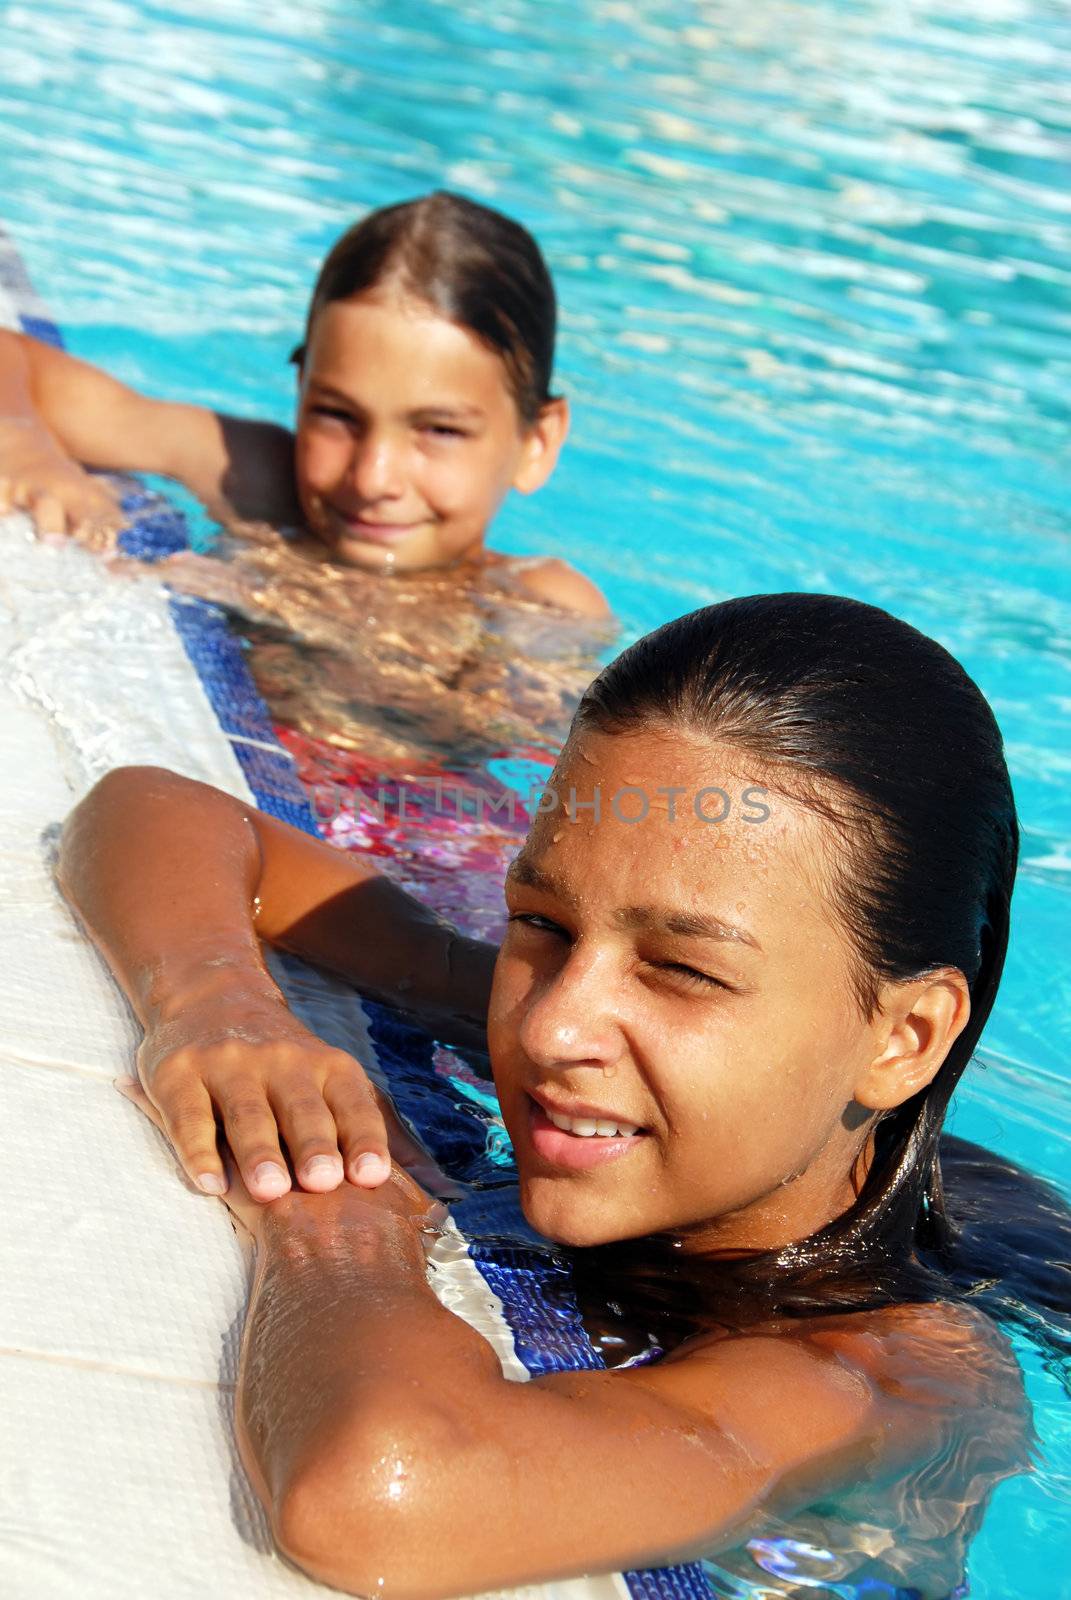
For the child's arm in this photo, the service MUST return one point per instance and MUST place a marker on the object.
(175, 881)
(58, 414)
(36, 474)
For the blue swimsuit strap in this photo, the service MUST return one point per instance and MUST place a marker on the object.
(534, 1289)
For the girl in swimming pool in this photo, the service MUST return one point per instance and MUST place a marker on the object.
(748, 956)
(423, 398)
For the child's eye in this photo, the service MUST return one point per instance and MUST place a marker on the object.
(335, 413)
(443, 430)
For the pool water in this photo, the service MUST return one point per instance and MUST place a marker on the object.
(814, 261)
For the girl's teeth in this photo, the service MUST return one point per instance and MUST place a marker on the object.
(588, 1127)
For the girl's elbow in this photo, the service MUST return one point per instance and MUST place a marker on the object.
(133, 789)
(118, 789)
(367, 1546)
(373, 1518)
(122, 785)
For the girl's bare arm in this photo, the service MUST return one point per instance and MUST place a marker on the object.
(59, 414)
(177, 883)
(395, 1459)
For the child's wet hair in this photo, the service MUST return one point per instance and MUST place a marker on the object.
(882, 732)
(470, 264)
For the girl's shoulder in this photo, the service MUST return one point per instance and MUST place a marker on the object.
(936, 1355)
(935, 1352)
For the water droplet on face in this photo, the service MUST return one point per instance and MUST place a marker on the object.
(555, 837)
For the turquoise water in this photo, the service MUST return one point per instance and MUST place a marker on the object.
(814, 261)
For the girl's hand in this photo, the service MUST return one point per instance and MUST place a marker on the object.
(59, 496)
(400, 1195)
(250, 1064)
(245, 1211)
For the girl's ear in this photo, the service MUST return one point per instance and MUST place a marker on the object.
(919, 1023)
(542, 446)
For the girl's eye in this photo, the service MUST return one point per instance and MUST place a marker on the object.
(690, 976)
(442, 430)
(335, 413)
(531, 919)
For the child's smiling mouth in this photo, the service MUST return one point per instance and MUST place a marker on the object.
(370, 531)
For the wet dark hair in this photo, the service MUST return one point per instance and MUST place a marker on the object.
(879, 729)
(472, 265)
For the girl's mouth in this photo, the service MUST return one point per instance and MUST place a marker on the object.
(579, 1142)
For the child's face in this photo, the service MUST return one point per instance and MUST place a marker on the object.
(408, 437)
(688, 978)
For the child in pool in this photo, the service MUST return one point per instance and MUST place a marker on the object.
(724, 1034)
(424, 397)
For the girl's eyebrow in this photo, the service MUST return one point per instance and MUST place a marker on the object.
(688, 924)
(685, 924)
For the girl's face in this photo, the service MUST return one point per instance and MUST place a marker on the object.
(408, 437)
(686, 979)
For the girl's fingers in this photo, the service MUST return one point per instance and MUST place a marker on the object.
(362, 1135)
(251, 1131)
(308, 1127)
(206, 1171)
(183, 1111)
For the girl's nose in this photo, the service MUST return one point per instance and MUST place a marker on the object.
(376, 468)
(570, 1018)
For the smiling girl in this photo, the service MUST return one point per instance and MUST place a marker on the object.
(723, 1051)
(423, 398)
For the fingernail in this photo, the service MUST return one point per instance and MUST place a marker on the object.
(123, 1084)
(211, 1183)
(370, 1169)
(323, 1167)
(271, 1176)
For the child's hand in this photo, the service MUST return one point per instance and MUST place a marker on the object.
(250, 1063)
(59, 496)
